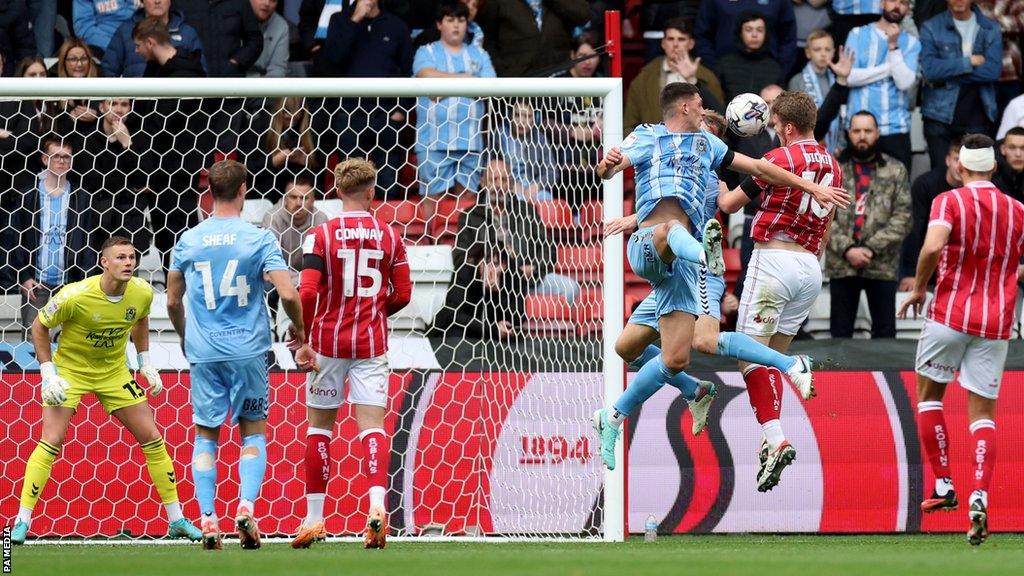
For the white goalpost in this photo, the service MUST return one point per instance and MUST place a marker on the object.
(507, 347)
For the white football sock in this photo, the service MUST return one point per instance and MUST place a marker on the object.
(377, 497)
(943, 486)
(314, 508)
(773, 433)
(615, 418)
(245, 504)
(209, 518)
(25, 515)
(173, 511)
(980, 495)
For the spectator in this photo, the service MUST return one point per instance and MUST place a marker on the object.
(114, 165)
(75, 60)
(44, 24)
(577, 123)
(923, 192)
(1010, 16)
(280, 143)
(816, 78)
(811, 16)
(314, 16)
(527, 36)
(448, 130)
(364, 41)
(54, 220)
(752, 68)
(849, 14)
(864, 237)
(229, 33)
(584, 46)
(293, 216)
(533, 167)
(1009, 176)
(716, 30)
(961, 58)
(501, 254)
(273, 60)
(96, 21)
(474, 34)
(884, 71)
(654, 14)
(121, 59)
(1013, 115)
(163, 60)
(643, 103)
(16, 39)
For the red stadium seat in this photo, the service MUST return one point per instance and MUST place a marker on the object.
(404, 216)
(444, 227)
(591, 218)
(580, 262)
(555, 214)
(589, 311)
(732, 267)
(548, 314)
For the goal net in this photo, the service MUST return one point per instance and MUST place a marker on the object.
(496, 364)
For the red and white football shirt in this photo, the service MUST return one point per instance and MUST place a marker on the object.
(976, 286)
(791, 213)
(364, 272)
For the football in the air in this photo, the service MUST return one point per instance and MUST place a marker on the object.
(747, 114)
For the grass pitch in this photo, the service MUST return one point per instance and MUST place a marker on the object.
(718, 555)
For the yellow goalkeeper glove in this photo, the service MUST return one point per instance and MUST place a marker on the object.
(54, 391)
(156, 384)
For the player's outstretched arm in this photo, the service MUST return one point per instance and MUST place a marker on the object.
(140, 337)
(934, 241)
(614, 161)
(176, 303)
(732, 201)
(765, 170)
(620, 225)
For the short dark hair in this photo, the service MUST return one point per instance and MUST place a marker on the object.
(955, 143)
(151, 27)
(679, 25)
(586, 37)
(52, 139)
(673, 93)
(978, 141)
(115, 241)
(1015, 131)
(301, 178)
(452, 9)
(796, 108)
(226, 178)
(750, 16)
(867, 113)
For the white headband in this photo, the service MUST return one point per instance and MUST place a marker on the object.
(978, 159)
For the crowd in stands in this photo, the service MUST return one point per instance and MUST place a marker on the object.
(955, 63)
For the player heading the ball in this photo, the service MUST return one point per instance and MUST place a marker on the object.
(96, 317)
(355, 274)
(220, 264)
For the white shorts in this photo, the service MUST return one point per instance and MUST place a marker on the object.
(778, 292)
(941, 351)
(367, 382)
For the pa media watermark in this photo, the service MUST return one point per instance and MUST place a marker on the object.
(7, 549)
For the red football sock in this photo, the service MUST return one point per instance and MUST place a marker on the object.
(764, 388)
(376, 447)
(984, 433)
(931, 425)
(318, 460)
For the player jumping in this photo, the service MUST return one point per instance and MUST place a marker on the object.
(975, 238)
(220, 264)
(784, 275)
(673, 161)
(354, 276)
(638, 342)
(96, 317)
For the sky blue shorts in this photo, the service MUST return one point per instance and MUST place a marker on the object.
(241, 385)
(679, 286)
(646, 314)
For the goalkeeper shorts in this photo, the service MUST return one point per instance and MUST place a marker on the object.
(112, 394)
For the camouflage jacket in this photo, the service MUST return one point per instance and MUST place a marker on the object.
(886, 222)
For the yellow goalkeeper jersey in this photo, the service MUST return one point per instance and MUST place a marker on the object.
(95, 329)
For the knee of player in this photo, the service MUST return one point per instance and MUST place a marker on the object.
(706, 342)
(55, 440)
(662, 230)
(625, 351)
(676, 361)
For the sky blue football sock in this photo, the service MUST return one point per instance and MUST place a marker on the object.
(743, 347)
(650, 352)
(684, 245)
(682, 381)
(652, 376)
(204, 473)
(252, 465)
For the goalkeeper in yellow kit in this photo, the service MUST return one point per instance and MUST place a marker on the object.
(97, 315)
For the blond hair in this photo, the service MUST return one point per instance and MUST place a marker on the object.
(354, 174)
(818, 35)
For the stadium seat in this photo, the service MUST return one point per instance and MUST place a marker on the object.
(584, 263)
(404, 216)
(732, 267)
(329, 207)
(253, 210)
(10, 313)
(589, 311)
(443, 227)
(555, 214)
(591, 218)
(548, 315)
